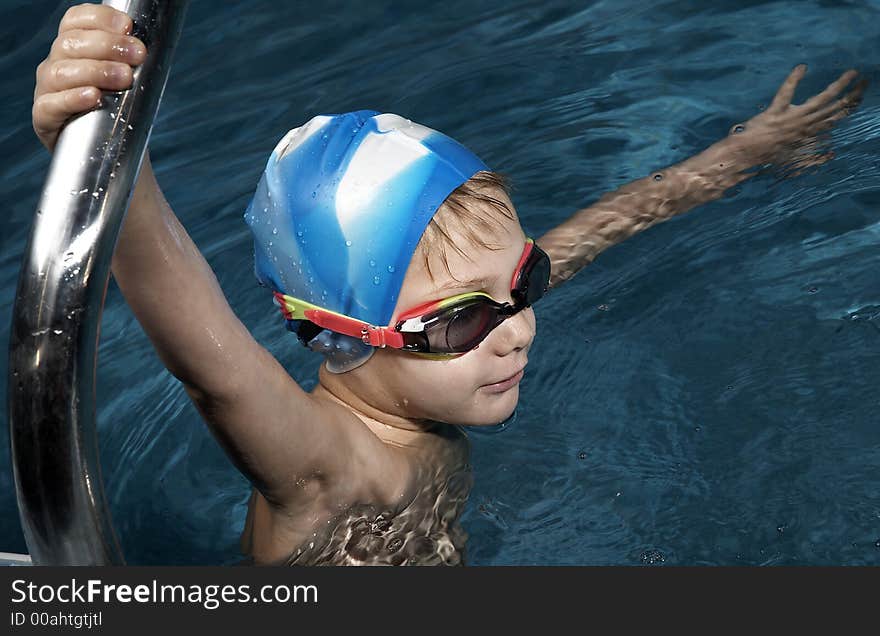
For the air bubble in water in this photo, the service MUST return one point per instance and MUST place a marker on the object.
(375, 280)
(391, 269)
(348, 244)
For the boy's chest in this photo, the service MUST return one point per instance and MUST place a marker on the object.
(424, 529)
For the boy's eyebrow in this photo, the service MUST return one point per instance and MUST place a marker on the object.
(458, 284)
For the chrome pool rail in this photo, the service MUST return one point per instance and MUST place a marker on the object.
(59, 299)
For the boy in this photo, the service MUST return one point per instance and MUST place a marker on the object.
(362, 223)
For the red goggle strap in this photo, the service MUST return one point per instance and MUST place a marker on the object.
(368, 334)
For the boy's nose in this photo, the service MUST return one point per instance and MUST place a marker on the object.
(515, 333)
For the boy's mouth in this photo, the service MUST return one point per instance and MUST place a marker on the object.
(505, 384)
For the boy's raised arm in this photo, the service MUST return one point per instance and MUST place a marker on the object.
(784, 134)
(277, 434)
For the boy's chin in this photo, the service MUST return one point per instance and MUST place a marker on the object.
(496, 409)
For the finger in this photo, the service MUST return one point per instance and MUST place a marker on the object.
(831, 92)
(840, 108)
(95, 16)
(98, 45)
(786, 91)
(63, 74)
(51, 110)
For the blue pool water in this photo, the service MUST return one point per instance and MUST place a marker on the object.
(704, 393)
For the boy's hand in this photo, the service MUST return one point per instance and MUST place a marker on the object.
(92, 52)
(786, 133)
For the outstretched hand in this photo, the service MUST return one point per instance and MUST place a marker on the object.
(789, 135)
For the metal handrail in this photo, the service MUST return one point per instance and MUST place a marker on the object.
(59, 300)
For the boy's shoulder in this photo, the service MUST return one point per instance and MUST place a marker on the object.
(386, 466)
(378, 468)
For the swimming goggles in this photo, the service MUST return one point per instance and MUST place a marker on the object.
(454, 325)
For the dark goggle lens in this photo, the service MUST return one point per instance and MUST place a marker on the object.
(467, 328)
(534, 278)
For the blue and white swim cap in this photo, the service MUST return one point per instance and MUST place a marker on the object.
(340, 209)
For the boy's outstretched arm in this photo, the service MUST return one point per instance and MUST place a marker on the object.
(784, 134)
(282, 438)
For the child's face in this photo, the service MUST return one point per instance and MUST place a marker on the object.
(456, 390)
